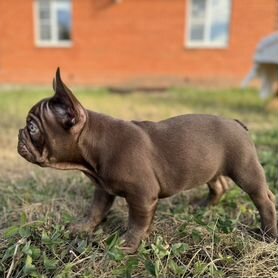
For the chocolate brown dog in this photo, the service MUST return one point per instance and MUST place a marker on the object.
(143, 161)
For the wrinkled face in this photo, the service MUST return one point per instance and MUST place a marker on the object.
(32, 138)
(52, 128)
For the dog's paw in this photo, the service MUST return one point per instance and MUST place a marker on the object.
(129, 249)
(81, 228)
(131, 243)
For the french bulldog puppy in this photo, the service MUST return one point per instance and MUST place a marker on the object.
(143, 161)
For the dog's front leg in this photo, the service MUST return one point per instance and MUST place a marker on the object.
(141, 213)
(101, 204)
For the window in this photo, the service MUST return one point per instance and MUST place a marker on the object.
(53, 22)
(208, 23)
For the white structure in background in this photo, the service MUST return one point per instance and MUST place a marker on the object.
(266, 65)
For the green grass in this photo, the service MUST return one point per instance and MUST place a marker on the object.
(37, 205)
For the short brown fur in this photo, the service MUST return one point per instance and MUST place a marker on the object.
(143, 161)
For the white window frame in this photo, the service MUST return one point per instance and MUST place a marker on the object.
(206, 43)
(54, 41)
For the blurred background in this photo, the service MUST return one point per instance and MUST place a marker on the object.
(143, 60)
(128, 42)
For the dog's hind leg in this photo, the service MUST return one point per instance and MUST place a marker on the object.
(251, 179)
(217, 188)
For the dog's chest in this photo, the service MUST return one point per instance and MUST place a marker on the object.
(112, 187)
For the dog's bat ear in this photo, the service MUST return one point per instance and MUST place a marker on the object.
(64, 104)
(61, 90)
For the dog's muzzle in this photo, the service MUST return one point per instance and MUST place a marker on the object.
(22, 146)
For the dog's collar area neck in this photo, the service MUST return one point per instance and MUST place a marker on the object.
(67, 166)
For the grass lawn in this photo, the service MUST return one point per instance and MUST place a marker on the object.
(37, 205)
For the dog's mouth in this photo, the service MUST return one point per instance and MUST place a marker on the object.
(26, 149)
(22, 146)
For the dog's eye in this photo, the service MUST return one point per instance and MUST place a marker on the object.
(33, 129)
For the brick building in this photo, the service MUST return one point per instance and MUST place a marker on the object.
(121, 41)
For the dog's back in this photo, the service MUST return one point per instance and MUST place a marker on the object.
(191, 150)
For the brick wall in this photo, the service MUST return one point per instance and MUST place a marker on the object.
(134, 40)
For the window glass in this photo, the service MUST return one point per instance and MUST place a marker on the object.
(197, 31)
(64, 24)
(54, 21)
(220, 20)
(45, 32)
(198, 9)
(44, 10)
(209, 22)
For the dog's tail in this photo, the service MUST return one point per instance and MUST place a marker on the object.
(242, 124)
